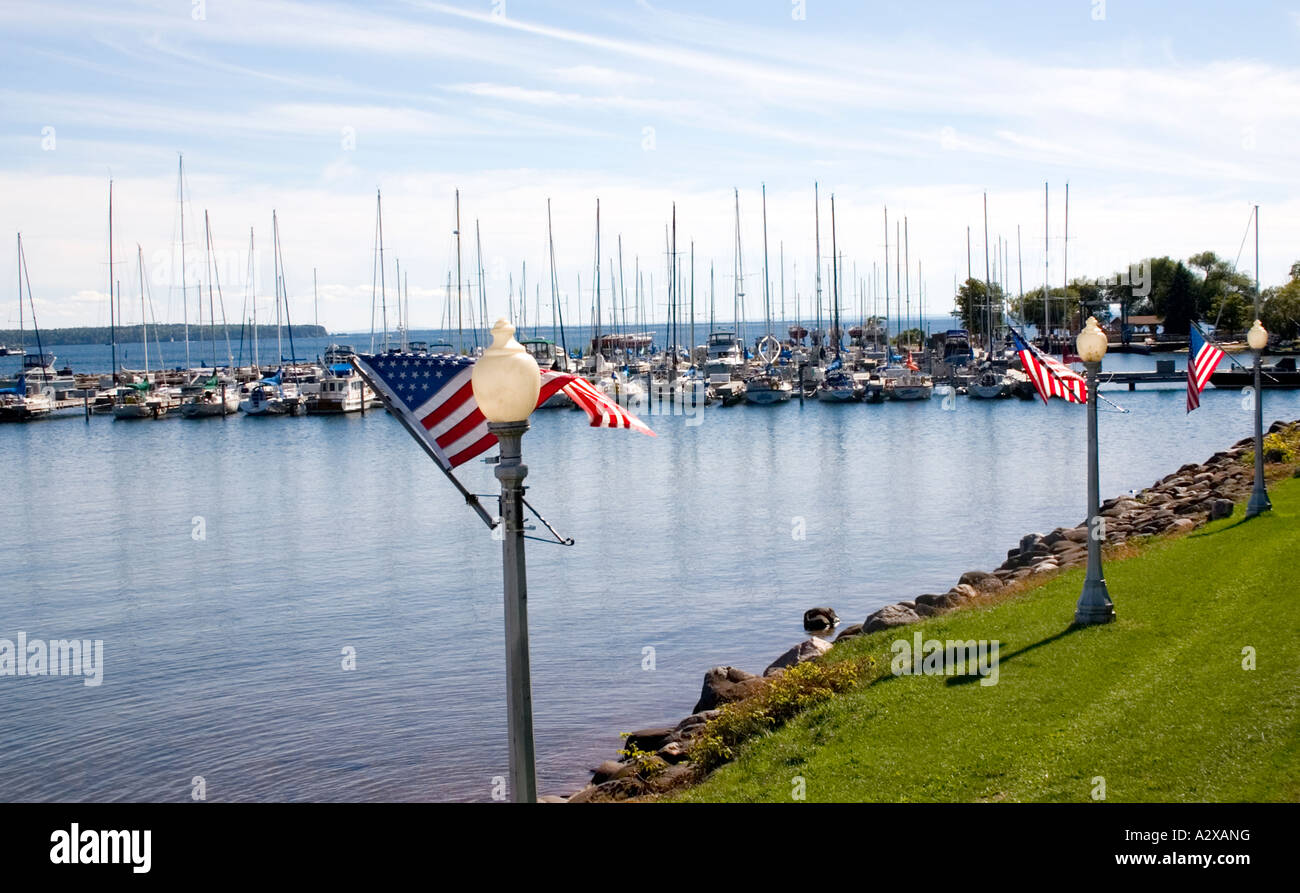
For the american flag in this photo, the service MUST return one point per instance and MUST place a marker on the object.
(1202, 359)
(434, 396)
(1050, 377)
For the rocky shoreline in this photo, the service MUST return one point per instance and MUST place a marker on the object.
(658, 760)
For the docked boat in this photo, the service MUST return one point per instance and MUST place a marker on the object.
(341, 390)
(839, 386)
(909, 385)
(768, 388)
(1279, 374)
(24, 402)
(724, 355)
(989, 384)
(137, 402)
(268, 397)
(207, 399)
(548, 356)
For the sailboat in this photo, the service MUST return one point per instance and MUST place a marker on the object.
(768, 386)
(217, 394)
(24, 400)
(838, 385)
(134, 401)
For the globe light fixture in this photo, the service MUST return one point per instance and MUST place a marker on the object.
(1092, 342)
(506, 379)
(1257, 337)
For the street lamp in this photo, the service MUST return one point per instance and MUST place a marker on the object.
(1257, 338)
(506, 384)
(1094, 603)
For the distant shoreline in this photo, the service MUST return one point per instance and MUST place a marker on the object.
(130, 333)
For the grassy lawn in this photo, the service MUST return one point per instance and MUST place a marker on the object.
(1157, 703)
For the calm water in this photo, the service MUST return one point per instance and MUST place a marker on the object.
(223, 654)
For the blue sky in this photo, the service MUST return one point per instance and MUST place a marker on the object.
(1168, 120)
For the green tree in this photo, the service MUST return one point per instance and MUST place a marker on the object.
(975, 308)
(1179, 302)
(1280, 310)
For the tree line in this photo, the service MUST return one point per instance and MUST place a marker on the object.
(169, 332)
(1205, 289)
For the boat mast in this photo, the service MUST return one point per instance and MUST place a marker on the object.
(1047, 291)
(112, 317)
(144, 333)
(252, 287)
(888, 352)
(767, 279)
(275, 270)
(1065, 257)
(740, 275)
(817, 254)
(835, 283)
(383, 291)
(315, 298)
(907, 275)
(988, 288)
(185, 296)
(555, 287)
(460, 317)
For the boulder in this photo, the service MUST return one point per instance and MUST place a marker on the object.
(649, 740)
(672, 752)
(890, 616)
(979, 580)
(1220, 508)
(1029, 541)
(805, 650)
(1181, 525)
(607, 770)
(853, 629)
(676, 776)
(964, 591)
(723, 685)
(820, 619)
(927, 610)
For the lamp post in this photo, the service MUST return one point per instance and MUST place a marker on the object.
(1094, 602)
(506, 384)
(1257, 338)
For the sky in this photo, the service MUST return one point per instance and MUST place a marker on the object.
(1169, 121)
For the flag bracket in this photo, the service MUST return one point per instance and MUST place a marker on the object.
(559, 540)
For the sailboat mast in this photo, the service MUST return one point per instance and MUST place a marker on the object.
(275, 267)
(1065, 256)
(1047, 290)
(907, 275)
(988, 288)
(767, 297)
(835, 282)
(144, 334)
(383, 291)
(460, 317)
(185, 297)
(888, 352)
(252, 289)
(112, 313)
(555, 286)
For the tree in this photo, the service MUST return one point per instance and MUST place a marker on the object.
(1280, 310)
(973, 306)
(1226, 295)
(1179, 301)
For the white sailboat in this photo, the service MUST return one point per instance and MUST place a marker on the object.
(24, 400)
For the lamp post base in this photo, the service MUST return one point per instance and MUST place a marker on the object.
(1094, 605)
(1259, 502)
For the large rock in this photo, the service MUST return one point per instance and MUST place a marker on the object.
(611, 769)
(1220, 508)
(649, 740)
(723, 685)
(805, 650)
(890, 616)
(820, 619)
(980, 580)
(853, 629)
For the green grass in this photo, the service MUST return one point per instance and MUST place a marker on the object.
(1157, 703)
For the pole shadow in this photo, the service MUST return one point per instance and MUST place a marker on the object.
(967, 678)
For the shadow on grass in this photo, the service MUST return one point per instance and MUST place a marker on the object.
(968, 678)
(1225, 528)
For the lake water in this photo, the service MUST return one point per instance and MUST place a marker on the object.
(223, 653)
